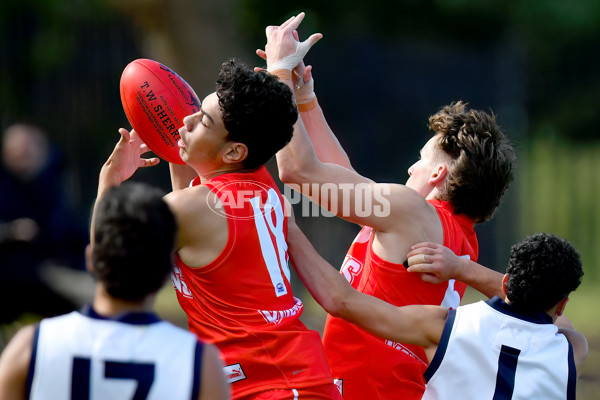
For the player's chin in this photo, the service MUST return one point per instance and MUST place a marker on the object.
(183, 154)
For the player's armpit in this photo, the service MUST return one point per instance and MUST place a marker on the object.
(14, 364)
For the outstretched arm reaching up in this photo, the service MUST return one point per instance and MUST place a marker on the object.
(416, 324)
(338, 189)
(325, 143)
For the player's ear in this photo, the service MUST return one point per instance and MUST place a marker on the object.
(504, 280)
(439, 174)
(88, 258)
(235, 152)
(560, 307)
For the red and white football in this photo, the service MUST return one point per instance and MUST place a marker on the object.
(156, 100)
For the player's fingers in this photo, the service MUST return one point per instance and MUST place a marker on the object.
(295, 34)
(133, 135)
(417, 259)
(424, 244)
(307, 75)
(314, 38)
(262, 54)
(269, 29)
(125, 137)
(303, 47)
(420, 251)
(148, 162)
(144, 148)
(258, 69)
(293, 22)
(429, 278)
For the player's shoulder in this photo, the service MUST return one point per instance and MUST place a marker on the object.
(194, 198)
(199, 226)
(19, 349)
(404, 199)
(407, 208)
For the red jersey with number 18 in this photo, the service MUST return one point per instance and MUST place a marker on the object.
(243, 302)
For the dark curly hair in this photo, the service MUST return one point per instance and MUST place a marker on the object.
(134, 235)
(483, 160)
(257, 109)
(543, 269)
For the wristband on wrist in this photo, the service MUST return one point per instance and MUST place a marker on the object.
(308, 106)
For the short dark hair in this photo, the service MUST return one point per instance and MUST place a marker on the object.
(257, 110)
(134, 242)
(483, 160)
(543, 269)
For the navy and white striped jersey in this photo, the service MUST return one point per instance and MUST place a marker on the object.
(83, 355)
(488, 351)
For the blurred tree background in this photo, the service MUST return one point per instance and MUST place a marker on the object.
(382, 68)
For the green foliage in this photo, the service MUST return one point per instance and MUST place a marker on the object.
(51, 24)
(559, 40)
(560, 193)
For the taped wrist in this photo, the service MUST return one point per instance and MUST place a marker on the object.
(303, 107)
(304, 91)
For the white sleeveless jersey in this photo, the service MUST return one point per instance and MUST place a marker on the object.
(489, 352)
(84, 356)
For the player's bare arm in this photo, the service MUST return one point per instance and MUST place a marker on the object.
(401, 215)
(420, 325)
(14, 364)
(214, 387)
(437, 263)
(577, 340)
(393, 209)
(202, 233)
(580, 347)
(325, 143)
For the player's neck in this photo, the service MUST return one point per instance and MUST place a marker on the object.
(226, 169)
(433, 195)
(108, 306)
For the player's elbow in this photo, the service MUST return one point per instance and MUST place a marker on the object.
(290, 173)
(298, 169)
(337, 304)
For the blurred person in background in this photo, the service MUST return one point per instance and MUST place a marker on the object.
(117, 347)
(40, 235)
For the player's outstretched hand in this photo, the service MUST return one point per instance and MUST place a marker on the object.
(126, 158)
(304, 86)
(435, 262)
(283, 49)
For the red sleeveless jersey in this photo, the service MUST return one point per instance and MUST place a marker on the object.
(366, 366)
(243, 302)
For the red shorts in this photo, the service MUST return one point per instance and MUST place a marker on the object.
(323, 392)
